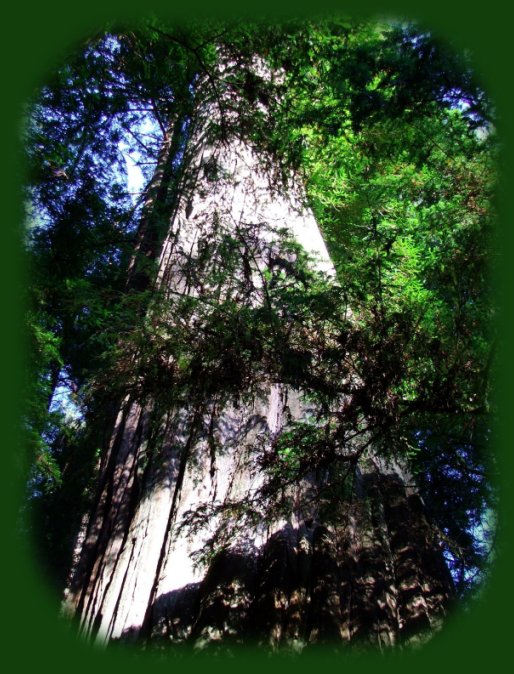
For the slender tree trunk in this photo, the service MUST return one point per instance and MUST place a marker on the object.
(168, 479)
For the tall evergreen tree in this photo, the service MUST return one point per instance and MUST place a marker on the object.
(273, 432)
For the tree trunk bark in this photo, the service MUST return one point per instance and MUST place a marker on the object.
(372, 572)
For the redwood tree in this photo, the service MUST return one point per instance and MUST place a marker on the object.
(279, 443)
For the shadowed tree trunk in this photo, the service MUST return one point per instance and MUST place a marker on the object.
(177, 548)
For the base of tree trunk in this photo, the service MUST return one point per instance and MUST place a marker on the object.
(187, 567)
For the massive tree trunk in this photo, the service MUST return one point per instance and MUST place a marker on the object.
(172, 550)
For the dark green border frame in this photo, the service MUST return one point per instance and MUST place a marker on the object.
(34, 39)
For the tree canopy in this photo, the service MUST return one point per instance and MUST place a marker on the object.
(395, 145)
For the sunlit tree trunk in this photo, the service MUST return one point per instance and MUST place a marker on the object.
(373, 573)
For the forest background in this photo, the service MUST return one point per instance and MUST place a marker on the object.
(34, 41)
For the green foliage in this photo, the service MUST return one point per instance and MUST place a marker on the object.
(394, 142)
